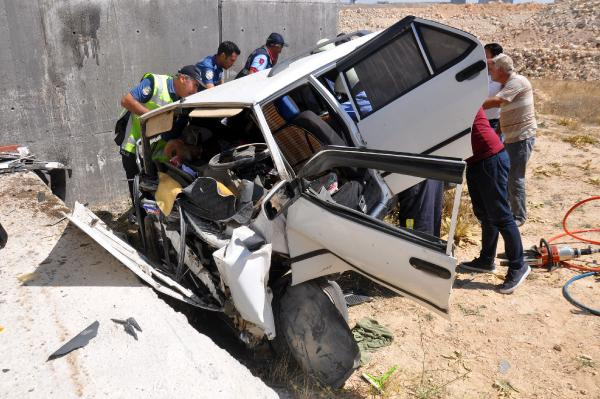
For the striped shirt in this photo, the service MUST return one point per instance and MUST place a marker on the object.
(517, 115)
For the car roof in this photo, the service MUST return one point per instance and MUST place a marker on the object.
(257, 87)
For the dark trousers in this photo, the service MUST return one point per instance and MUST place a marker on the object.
(487, 181)
(423, 204)
(131, 169)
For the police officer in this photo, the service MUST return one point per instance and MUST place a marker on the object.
(152, 92)
(264, 57)
(211, 68)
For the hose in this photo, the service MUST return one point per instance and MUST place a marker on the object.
(568, 297)
(574, 234)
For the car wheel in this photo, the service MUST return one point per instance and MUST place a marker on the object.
(316, 333)
(335, 294)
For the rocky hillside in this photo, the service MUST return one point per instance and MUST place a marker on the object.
(557, 41)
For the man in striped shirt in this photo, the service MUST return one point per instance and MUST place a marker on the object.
(518, 124)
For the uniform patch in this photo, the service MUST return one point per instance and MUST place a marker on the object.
(146, 90)
(209, 75)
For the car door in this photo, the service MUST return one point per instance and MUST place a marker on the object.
(325, 237)
(416, 88)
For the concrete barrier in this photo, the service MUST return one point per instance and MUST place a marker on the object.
(65, 64)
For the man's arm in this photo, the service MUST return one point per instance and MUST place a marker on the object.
(133, 105)
(134, 100)
(258, 63)
(493, 102)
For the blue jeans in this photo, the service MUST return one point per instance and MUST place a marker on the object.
(519, 154)
(487, 182)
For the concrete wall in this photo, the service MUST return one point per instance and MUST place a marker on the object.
(302, 24)
(65, 64)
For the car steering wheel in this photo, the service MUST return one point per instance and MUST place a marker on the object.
(243, 155)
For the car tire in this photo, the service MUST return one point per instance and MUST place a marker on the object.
(335, 294)
(3, 237)
(316, 333)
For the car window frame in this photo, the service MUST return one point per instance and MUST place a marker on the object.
(410, 24)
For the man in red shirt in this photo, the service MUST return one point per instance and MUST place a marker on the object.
(487, 179)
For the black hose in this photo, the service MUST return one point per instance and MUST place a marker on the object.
(569, 298)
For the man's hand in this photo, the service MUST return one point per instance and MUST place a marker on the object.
(493, 102)
(132, 105)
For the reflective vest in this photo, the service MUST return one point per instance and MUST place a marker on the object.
(160, 97)
(258, 51)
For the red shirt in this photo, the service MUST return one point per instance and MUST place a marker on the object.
(484, 140)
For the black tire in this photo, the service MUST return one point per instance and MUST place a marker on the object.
(3, 237)
(335, 294)
(317, 334)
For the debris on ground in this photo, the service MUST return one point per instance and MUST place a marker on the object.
(356, 299)
(370, 336)
(78, 341)
(130, 325)
(14, 158)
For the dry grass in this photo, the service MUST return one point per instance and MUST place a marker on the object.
(552, 169)
(580, 140)
(575, 101)
(571, 123)
(594, 181)
(466, 220)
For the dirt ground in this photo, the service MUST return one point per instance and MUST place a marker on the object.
(533, 343)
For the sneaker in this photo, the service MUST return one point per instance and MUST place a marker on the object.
(514, 278)
(477, 266)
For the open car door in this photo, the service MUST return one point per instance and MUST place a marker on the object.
(325, 237)
(416, 88)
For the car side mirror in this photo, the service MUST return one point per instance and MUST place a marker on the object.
(281, 196)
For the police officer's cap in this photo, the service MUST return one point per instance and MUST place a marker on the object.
(192, 72)
(276, 38)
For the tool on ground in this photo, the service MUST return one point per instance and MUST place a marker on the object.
(550, 256)
(130, 325)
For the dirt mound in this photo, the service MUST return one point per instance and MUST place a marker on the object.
(557, 41)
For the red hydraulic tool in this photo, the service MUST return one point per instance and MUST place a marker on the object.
(551, 256)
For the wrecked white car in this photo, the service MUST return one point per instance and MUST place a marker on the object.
(299, 165)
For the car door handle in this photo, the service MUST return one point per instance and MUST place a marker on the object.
(471, 71)
(430, 268)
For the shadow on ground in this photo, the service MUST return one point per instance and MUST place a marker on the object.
(76, 260)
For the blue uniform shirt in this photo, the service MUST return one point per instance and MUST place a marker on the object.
(143, 91)
(210, 72)
(260, 62)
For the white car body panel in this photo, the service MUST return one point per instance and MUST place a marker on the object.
(377, 255)
(407, 124)
(246, 273)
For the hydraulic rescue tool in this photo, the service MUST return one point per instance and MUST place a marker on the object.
(550, 256)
